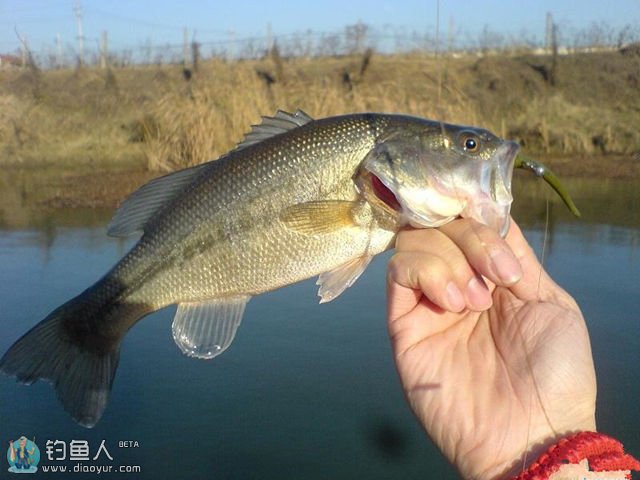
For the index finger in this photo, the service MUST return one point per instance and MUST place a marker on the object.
(488, 253)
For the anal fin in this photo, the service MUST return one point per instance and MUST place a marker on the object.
(206, 329)
(336, 281)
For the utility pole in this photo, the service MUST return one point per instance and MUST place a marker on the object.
(437, 27)
(549, 34)
(77, 9)
(58, 51)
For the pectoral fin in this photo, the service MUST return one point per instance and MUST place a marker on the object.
(320, 217)
(336, 281)
(206, 329)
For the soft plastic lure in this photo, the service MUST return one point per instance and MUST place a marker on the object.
(540, 170)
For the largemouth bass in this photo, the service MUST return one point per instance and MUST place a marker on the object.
(297, 198)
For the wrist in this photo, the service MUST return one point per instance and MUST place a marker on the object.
(539, 439)
(527, 456)
(581, 456)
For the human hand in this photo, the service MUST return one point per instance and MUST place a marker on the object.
(494, 357)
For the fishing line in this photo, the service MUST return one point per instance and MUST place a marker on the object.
(536, 391)
(545, 239)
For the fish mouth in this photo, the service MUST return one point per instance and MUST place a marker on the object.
(491, 204)
(422, 206)
(480, 190)
(384, 194)
(502, 172)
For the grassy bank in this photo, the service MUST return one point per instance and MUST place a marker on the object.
(154, 117)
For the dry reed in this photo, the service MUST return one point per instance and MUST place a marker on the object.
(118, 116)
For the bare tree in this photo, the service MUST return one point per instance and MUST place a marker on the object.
(355, 36)
(330, 45)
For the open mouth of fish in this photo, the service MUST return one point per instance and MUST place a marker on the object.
(481, 192)
(385, 194)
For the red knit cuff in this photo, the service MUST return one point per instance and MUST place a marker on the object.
(602, 452)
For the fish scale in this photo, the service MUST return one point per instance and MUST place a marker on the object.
(297, 198)
(228, 271)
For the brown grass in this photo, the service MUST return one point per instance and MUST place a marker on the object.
(153, 116)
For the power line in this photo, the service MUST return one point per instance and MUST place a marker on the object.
(31, 20)
(384, 39)
(139, 21)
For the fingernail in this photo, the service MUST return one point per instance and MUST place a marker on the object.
(505, 266)
(455, 297)
(478, 294)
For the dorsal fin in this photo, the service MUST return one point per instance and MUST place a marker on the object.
(144, 203)
(271, 126)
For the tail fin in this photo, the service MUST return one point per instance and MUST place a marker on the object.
(76, 348)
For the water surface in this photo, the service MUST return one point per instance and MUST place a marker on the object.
(306, 390)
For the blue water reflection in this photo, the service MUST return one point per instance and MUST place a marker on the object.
(305, 391)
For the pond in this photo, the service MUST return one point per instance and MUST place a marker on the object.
(307, 390)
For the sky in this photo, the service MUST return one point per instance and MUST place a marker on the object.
(131, 24)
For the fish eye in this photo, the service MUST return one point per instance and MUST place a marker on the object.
(470, 142)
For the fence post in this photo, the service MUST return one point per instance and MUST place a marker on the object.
(185, 47)
(24, 51)
(104, 49)
(195, 55)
